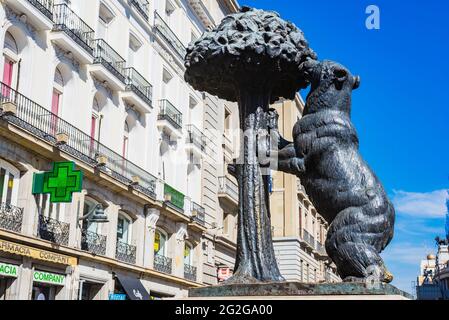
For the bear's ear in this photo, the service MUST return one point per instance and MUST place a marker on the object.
(341, 75)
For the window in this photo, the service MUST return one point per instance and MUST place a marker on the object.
(133, 48)
(227, 121)
(11, 52)
(9, 183)
(169, 9)
(188, 252)
(105, 17)
(160, 243)
(125, 140)
(89, 204)
(124, 228)
(48, 209)
(94, 124)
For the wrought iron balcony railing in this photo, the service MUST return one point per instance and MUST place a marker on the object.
(170, 113)
(229, 187)
(189, 272)
(10, 217)
(309, 239)
(66, 20)
(196, 137)
(139, 85)
(166, 32)
(45, 125)
(44, 6)
(105, 55)
(93, 242)
(125, 252)
(198, 213)
(53, 230)
(162, 263)
(142, 7)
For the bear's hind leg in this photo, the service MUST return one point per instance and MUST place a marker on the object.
(350, 245)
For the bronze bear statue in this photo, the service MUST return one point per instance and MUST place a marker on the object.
(346, 192)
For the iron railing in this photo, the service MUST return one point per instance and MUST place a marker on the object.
(196, 137)
(200, 213)
(125, 252)
(189, 272)
(53, 230)
(170, 113)
(67, 21)
(136, 83)
(44, 6)
(105, 55)
(10, 217)
(45, 125)
(162, 263)
(309, 238)
(93, 242)
(166, 32)
(229, 187)
(142, 7)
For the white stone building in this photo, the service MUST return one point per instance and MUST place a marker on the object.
(100, 83)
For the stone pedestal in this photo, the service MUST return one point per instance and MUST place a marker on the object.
(301, 291)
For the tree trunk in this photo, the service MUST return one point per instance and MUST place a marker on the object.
(255, 261)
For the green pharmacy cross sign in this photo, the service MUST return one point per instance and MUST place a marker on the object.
(60, 183)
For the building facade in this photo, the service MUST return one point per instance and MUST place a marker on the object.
(100, 84)
(299, 231)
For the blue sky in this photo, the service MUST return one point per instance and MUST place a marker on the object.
(400, 110)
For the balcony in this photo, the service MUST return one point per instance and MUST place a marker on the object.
(53, 230)
(11, 217)
(162, 264)
(45, 125)
(169, 119)
(173, 198)
(125, 252)
(39, 13)
(169, 36)
(198, 214)
(321, 250)
(195, 141)
(93, 242)
(142, 7)
(108, 66)
(72, 34)
(308, 238)
(189, 272)
(228, 191)
(138, 91)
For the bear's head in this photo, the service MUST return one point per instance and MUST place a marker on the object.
(331, 86)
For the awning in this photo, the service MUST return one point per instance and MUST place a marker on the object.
(133, 287)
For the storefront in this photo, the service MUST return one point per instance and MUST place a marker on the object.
(8, 275)
(30, 273)
(128, 288)
(47, 285)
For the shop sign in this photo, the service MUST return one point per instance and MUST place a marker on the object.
(34, 253)
(224, 273)
(117, 296)
(8, 270)
(50, 278)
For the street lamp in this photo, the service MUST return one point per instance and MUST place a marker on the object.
(96, 214)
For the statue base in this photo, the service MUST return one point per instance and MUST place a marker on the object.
(301, 291)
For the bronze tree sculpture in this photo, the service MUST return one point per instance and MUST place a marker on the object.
(252, 57)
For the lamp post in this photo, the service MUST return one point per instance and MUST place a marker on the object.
(96, 214)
